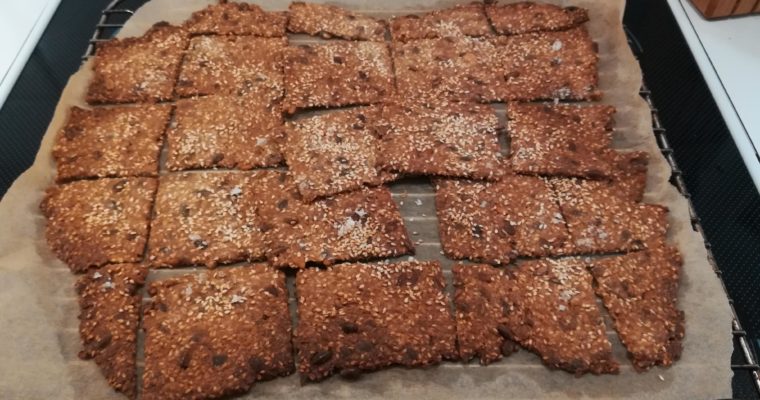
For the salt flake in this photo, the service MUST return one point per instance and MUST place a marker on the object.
(418, 202)
(237, 299)
(557, 45)
(96, 275)
(236, 191)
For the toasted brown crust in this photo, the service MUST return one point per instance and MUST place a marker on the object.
(526, 17)
(362, 317)
(337, 74)
(600, 221)
(460, 20)
(234, 65)
(214, 334)
(459, 68)
(110, 142)
(141, 69)
(109, 304)
(242, 132)
(448, 139)
(629, 173)
(360, 225)
(333, 152)
(482, 310)
(560, 140)
(546, 66)
(553, 312)
(231, 18)
(91, 223)
(205, 218)
(640, 290)
(330, 21)
(496, 221)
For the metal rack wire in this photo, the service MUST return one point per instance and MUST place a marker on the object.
(113, 18)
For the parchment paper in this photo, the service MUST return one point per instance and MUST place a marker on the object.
(38, 323)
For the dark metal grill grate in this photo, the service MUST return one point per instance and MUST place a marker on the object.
(113, 18)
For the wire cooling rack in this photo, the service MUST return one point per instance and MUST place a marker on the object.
(114, 16)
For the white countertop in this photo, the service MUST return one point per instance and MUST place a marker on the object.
(21, 25)
(728, 54)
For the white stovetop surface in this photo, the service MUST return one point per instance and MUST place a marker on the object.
(21, 25)
(728, 54)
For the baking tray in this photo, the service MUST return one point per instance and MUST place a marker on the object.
(415, 199)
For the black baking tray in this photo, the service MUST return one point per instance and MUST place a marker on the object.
(707, 166)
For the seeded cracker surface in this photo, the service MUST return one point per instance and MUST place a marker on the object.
(447, 139)
(362, 317)
(109, 304)
(553, 313)
(525, 17)
(141, 69)
(214, 334)
(629, 174)
(237, 19)
(482, 308)
(460, 20)
(95, 222)
(547, 65)
(560, 140)
(329, 21)
(600, 221)
(461, 68)
(233, 65)
(337, 73)
(359, 225)
(206, 219)
(110, 142)
(496, 221)
(640, 290)
(242, 132)
(333, 152)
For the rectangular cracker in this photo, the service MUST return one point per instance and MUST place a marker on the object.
(459, 20)
(96, 222)
(527, 17)
(140, 69)
(328, 21)
(600, 221)
(333, 152)
(109, 314)
(354, 318)
(496, 221)
(452, 67)
(336, 74)
(214, 334)
(547, 65)
(640, 291)
(205, 218)
(629, 173)
(110, 142)
(552, 311)
(242, 132)
(235, 65)
(447, 139)
(231, 18)
(355, 226)
(480, 293)
(560, 140)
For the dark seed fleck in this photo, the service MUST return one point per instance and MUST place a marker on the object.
(477, 230)
(350, 374)
(338, 60)
(363, 75)
(503, 331)
(272, 290)
(200, 243)
(131, 236)
(349, 327)
(162, 307)
(508, 347)
(103, 341)
(219, 359)
(184, 210)
(321, 357)
(509, 228)
(342, 160)
(184, 359)
(217, 158)
(282, 204)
